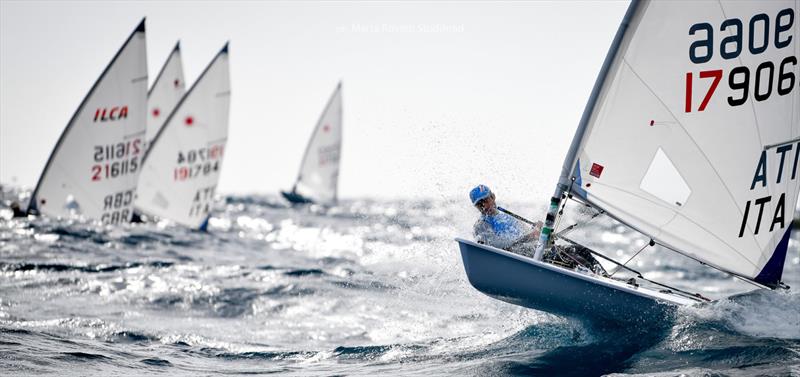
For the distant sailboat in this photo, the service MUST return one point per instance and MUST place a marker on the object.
(182, 166)
(95, 164)
(691, 137)
(318, 179)
(167, 90)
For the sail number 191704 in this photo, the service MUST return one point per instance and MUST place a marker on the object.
(200, 162)
(760, 82)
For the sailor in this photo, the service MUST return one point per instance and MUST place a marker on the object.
(501, 230)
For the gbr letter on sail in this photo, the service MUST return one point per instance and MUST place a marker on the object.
(94, 166)
(693, 136)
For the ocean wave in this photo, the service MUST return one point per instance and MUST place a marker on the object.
(760, 313)
(366, 287)
(58, 267)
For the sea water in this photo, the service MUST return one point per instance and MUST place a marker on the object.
(368, 287)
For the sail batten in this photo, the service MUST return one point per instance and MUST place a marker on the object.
(684, 136)
(767, 147)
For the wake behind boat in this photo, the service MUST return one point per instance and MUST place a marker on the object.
(318, 179)
(647, 154)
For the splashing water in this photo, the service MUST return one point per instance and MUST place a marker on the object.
(364, 288)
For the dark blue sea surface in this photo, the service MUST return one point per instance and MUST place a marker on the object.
(369, 287)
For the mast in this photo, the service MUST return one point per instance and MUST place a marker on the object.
(565, 180)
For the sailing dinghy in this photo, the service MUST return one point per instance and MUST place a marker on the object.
(168, 88)
(94, 167)
(691, 137)
(318, 179)
(181, 168)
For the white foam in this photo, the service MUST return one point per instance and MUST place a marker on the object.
(762, 313)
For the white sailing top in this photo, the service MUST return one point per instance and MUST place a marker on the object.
(183, 165)
(693, 139)
(168, 88)
(319, 171)
(94, 167)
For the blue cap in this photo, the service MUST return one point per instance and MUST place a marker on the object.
(478, 193)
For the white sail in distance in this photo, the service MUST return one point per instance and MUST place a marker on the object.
(692, 134)
(182, 166)
(318, 179)
(168, 88)
(95, 164)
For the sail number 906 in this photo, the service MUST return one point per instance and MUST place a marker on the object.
(740, 80)
(762, 81)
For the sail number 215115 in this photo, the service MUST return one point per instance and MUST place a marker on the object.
(760, 82)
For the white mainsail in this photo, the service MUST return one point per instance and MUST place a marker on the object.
(692, 133)
(168, 88)
(94, 166)
(319, 172)
(182, 166)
